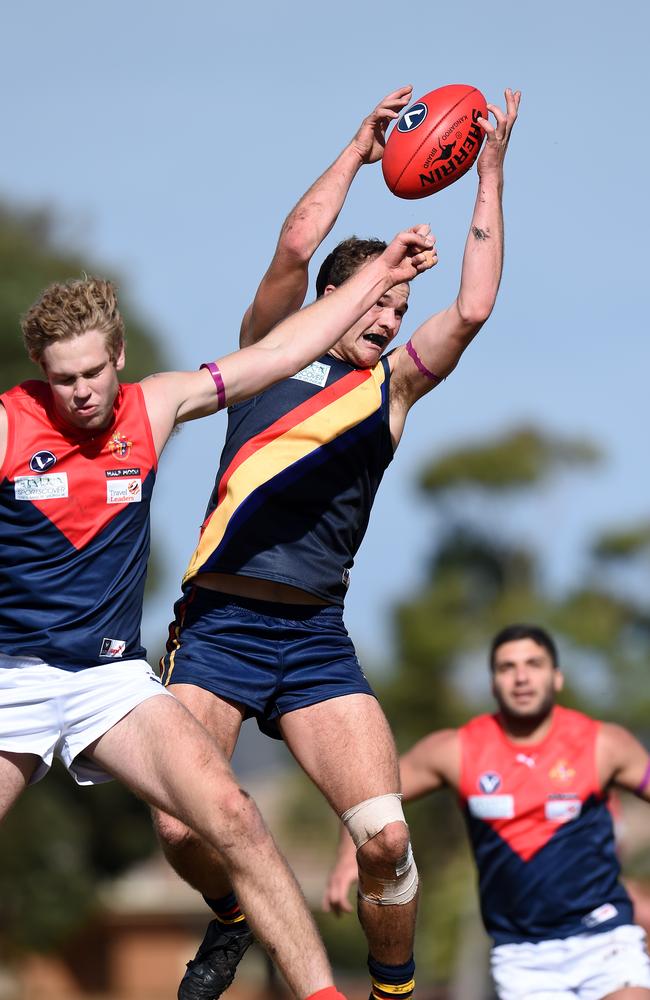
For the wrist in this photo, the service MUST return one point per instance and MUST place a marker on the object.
(491, 179)
(354, 156)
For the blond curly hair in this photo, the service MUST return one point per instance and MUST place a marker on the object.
(69, 309)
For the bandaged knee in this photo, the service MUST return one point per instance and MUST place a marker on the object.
(363, 822)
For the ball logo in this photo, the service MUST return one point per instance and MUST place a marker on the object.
(489, 782)
(412, 117)
(41, 461)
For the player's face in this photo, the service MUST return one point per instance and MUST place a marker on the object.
(524, 680)
(364, 344)
(83, 379)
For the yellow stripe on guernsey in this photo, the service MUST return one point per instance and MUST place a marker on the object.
(282, 452)
(393, 990)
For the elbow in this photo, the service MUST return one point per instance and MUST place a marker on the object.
(296, 243)
(474, 313)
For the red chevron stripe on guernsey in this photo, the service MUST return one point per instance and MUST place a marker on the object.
(527, 793)
(289, 420)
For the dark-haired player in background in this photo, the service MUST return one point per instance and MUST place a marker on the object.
(259, 629)
(533, 781)
(78, 459)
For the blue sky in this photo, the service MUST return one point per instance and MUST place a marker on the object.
(172, 142)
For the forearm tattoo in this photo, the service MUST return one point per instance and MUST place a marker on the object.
(480, 234)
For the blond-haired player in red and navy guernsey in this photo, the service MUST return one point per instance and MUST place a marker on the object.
(533, 782)
(78, 458)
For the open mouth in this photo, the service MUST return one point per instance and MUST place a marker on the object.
(376, 339)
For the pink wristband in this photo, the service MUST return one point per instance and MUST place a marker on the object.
(422, 368)
(643, 784)
(218, 382)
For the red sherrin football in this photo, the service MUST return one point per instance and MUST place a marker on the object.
(435, 141)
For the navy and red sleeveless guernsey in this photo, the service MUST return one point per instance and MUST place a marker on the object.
(541, 831)
(74, 531)
(299, 471)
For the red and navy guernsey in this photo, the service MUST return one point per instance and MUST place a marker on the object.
(541, 831)
(74, 530)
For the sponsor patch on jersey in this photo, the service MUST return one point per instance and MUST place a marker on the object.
(491, 806)
(600, 915)
(124, 490)
(112, 647)
(41, 461)
(47, 487)
(316, 373)
(489, 782)
(120, 473)
(561, 808)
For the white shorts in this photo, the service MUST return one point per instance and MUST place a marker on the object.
(45, 710)
(586, 966)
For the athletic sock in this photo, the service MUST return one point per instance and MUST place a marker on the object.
(227, 912)
(328, 993)
(391, 982)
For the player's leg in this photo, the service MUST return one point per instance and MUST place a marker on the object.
(15, 771)
(346, 747)
(194, 859)
(164, 755)
(221, 661)
(228, 935)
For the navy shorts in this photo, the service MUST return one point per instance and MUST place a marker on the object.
(271, 658)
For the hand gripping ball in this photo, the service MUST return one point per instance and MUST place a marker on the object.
(435, 141)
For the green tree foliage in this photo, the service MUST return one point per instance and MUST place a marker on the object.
(58, 840)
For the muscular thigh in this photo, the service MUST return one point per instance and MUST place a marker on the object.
(222, 718)
(15, 771)
(345, 746)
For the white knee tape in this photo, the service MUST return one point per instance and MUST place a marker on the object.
(391, 891)
(365, 820)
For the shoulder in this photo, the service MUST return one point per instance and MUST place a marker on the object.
(614, 741)
(577, 723)
(480, 726)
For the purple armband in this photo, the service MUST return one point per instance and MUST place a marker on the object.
(218, 383)
(643, 784)
(422, 368)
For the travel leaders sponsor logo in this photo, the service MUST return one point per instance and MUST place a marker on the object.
(562, 772)
(47, 487)
(489, 782)
(41, 461)
(562, 808)
(120, 446)
(124, 490)
(112, 647)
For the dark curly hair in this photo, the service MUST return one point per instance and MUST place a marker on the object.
(345, 259)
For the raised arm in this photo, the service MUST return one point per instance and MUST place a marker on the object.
(174, 397)
(284, 286)
(433, 762)
(622, 761)
(435, 348)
